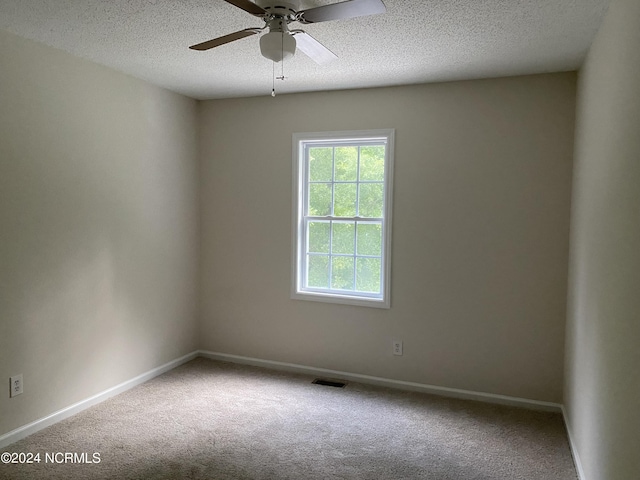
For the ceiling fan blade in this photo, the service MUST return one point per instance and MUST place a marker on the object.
(342, 10)
(313, 48)
(216, 42)
(248, 7)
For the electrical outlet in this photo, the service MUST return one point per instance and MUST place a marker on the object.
(17, 385)
(397, 347)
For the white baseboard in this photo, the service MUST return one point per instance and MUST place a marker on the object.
(386, 382)
(572, 447)
(21, 432)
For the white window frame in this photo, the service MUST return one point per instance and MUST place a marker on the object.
(300, 176)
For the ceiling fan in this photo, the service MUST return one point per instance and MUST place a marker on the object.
(280, 42)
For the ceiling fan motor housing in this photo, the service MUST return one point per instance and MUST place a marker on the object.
(278, 8)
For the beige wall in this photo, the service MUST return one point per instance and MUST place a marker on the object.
(602, 392)
(98, 228)
(480, 239)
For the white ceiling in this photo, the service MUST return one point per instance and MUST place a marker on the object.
(416, 41)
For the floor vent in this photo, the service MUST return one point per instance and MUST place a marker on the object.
(329, 383)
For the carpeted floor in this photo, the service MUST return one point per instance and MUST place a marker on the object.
(216, 420)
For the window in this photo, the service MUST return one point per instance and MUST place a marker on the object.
(342, 217)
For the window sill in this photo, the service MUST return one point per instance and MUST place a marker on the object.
(341, 299)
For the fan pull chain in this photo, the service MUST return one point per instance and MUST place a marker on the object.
(273, 78)
(281, 77)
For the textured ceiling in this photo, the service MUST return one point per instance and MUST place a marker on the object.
(416, 41)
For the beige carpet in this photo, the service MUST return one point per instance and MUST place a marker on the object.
(215, 420)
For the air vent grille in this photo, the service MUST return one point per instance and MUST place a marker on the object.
(329, 383)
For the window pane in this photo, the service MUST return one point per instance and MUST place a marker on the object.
(319, 236)
(346, 164)
(320, 199)
(371, 200)
(372, 163)
(318, 271)
(342, 273)
(369, 239)
(345, 200)
(320, 164)
(343, 238)
(368, 275)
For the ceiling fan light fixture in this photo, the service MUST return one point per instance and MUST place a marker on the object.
(277, 46)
